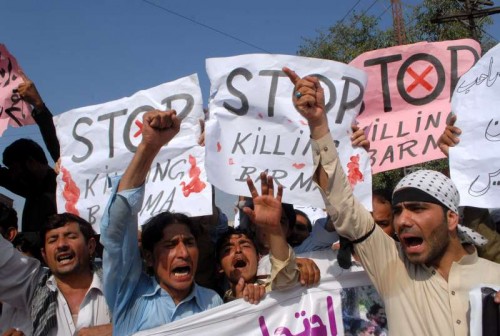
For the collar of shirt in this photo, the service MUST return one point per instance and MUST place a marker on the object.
(157, 290)
(96, 284)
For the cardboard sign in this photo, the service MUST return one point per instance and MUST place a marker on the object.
(254, 126)
(475, 161)
(337, 306)
(407, 99)
(98, 142)
(13, 110)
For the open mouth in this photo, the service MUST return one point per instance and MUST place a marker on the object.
(413, 241)
(182, 271)
(239, 263)
(64, 258)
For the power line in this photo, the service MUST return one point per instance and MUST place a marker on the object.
(206, 26)
(385, 11)
(349, 11)
(364, 12)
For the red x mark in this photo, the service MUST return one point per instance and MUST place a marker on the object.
(420, 79)
(139, 131)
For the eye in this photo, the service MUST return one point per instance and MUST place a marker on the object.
(189, 242)
(396, 210)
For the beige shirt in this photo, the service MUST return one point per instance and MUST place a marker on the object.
(417, 299)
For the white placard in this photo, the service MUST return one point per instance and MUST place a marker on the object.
(254, 126)
(98, 142)
(475, 161)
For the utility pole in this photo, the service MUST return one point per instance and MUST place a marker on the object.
(398, 22)
(472, 11)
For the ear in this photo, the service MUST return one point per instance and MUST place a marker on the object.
(452, 219)
(11, 234)
(91, 245)
(148, 258)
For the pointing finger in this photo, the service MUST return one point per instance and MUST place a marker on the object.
(294, 78)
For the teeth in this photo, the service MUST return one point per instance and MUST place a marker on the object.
(181, 274)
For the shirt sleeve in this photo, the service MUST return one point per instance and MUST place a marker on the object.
(351, 219)
(45, 123)
(122, 264)
(18, 276)
(284, 274)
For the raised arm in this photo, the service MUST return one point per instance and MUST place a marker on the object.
(122, 263)
(158, 129)
(449, 138)
(267, 215)
(29, 93)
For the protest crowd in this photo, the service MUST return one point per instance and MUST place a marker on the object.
(422, 251)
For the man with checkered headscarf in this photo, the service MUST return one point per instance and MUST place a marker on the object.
(425, 280)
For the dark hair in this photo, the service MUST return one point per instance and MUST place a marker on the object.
(8, 217)
(303, 214)
(374, 309)
(26, 246)
(384, 194)
(59, 220)
(290, 215)
(22, 150)
(152, 230)
(226, 236)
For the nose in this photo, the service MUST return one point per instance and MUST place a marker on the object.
(403, 219)
(182, 250)
(62, 243)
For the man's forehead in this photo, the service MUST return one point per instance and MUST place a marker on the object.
(67, 227)
(175, 230)
(238, 237)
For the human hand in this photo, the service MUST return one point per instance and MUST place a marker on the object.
(28, 92)
(57, 167)
(13, 332)
(358, 138)
(102, 330)
(267, 208)
(201, 139)
(309, 272)
(251, 293)
(309, 100)
(159, 128)
(497, 297)
(449, 138)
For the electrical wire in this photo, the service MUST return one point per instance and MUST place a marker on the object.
(218, 31)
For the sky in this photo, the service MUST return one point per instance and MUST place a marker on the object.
(82, 53)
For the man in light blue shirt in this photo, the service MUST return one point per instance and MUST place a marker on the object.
(138, 301)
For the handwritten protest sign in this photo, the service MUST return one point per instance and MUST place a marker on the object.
(98, 142)
(254, 126)
(13, 111)
(475, 161)
(337, 306)
(407, 98)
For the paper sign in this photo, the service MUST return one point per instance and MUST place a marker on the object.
(254, 125)
(13, 110)
(407, 99)
(337, 306)
(98, 142)
(475, 161)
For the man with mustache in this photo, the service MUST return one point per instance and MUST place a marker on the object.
(169, 245)
(425, 280)
(66, 299)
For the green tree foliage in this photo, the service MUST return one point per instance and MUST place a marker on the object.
(346, 40)
(360, 33)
